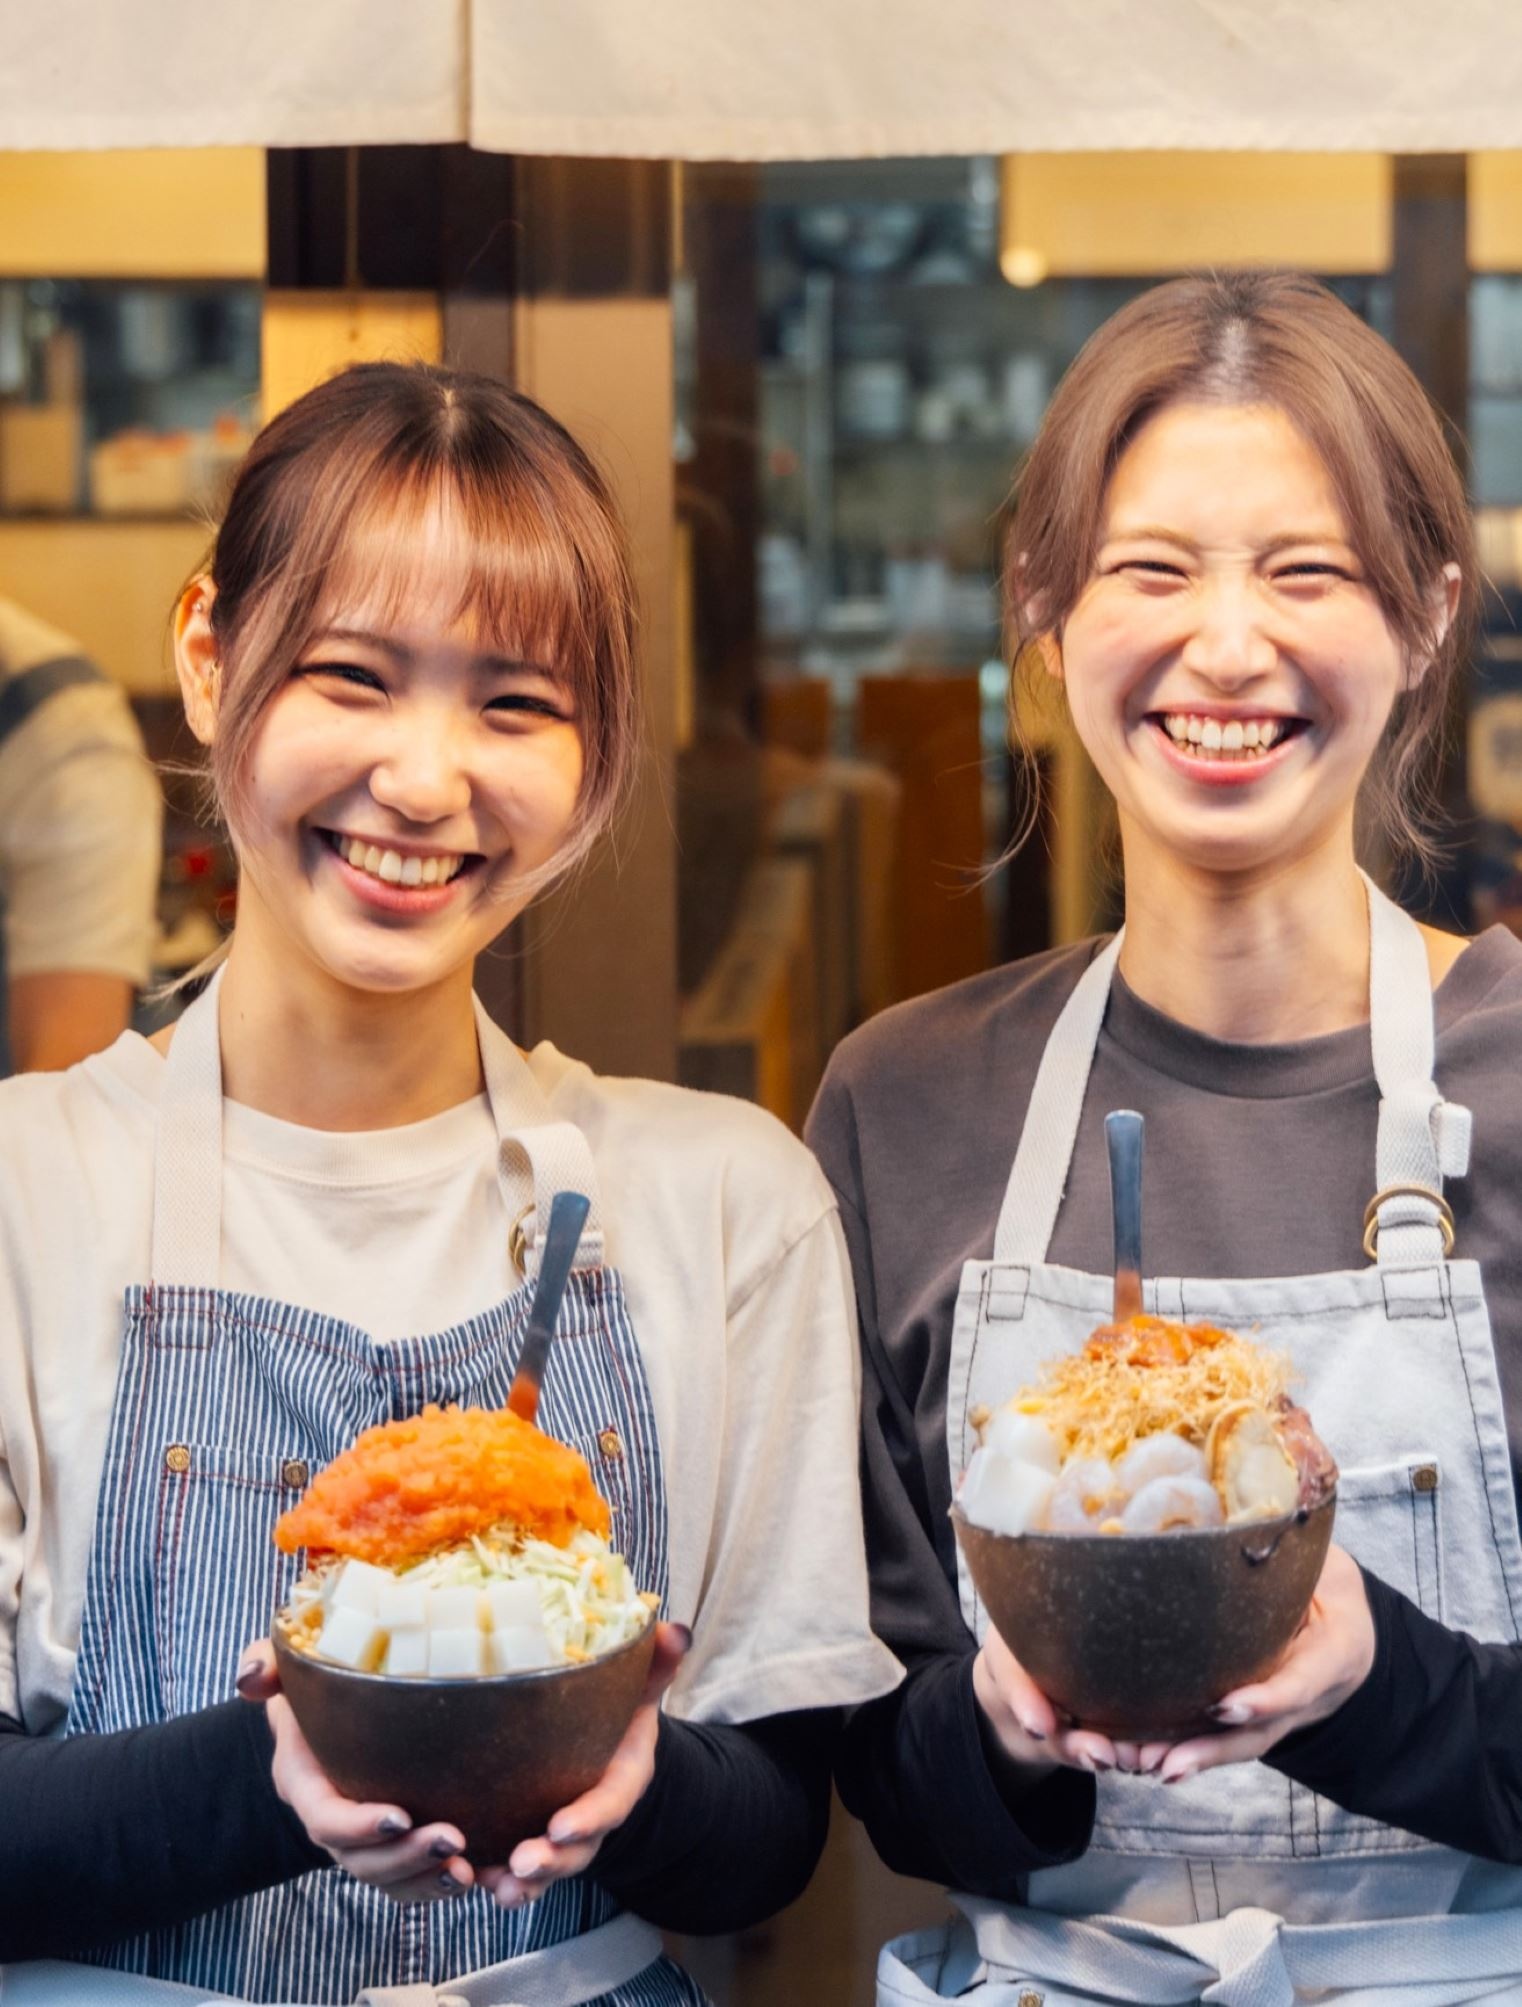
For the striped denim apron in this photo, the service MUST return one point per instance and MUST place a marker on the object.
(1240, 1886)
(225, 1403)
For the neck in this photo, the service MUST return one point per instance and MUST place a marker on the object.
(314, 1051)
(1261, 958)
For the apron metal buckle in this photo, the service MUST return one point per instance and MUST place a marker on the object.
(1371, 1215)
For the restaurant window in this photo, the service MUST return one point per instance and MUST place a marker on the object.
(865, 350)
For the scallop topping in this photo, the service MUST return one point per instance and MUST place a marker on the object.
(1154, 1427)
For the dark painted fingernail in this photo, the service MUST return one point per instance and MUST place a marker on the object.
(450, 1886)
(393, 1826)
(1179, 1776)
(442, 1849)
(248, 1672)
(1035, 1734)
(1230, 1713)
(1098, 1765)
(684, 1632)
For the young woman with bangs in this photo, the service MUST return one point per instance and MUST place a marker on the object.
(1242, 548)
(226, 1251)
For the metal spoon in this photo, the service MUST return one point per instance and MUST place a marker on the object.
(568, 1215)
(1123, 1135)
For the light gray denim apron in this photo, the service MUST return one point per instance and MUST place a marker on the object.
(225, 1403)
(1240, 1886)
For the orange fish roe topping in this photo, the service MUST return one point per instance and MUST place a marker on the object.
(410, 1487)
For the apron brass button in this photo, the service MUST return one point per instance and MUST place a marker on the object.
(294, 1473)
(1425, 1477)
(611, 1443)
(177, 1459)
(1030, 1998)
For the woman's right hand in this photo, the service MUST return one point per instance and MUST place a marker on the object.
(1025, 1723)
(374, 1843)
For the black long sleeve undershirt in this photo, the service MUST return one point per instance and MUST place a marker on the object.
(732, 1825)
(105, 1836)
(940, 1801)
(1432, 1740)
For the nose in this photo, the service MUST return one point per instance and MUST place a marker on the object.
(1228, 645)
(422, 774)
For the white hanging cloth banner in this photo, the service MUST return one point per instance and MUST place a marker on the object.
(88, 74)
(789, 79)
(843, 79)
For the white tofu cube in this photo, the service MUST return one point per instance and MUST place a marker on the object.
(520, 1648)
(358, 1586)
(352, 1638)
(454, 1609)
(407, 1654)
(1004, 1496)
(402, 1606)
(457, 1654)
(1023, 1439)
(511, 1603)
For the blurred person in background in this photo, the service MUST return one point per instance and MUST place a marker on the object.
(80, 830)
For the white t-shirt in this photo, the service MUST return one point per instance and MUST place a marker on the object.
(80, 817)
(737, 1282)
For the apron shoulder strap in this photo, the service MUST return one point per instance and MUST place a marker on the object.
(537, 1153)
(1039, 1178)
(30, 689)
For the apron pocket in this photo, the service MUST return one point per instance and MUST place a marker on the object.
(218, 1577)
(1388, 1520)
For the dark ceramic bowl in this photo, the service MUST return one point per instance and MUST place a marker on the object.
(1138, 1633)
(494, 1755)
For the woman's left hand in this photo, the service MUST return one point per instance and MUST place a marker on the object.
(1329, 1658)
(577, 1830)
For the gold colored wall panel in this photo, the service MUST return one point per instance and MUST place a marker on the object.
(1125, 215)
(309, 336)
(154, 214)
(111, 585)
(1495, 212)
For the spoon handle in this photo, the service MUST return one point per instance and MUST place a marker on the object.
(568, 1215)
(1123, 1135)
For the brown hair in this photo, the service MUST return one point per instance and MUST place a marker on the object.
(1283, 340)
(335, 485)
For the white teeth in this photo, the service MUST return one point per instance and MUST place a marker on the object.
(392, 868)
(1215, 738)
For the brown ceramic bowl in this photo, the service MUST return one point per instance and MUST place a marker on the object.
(1138, 1633)
(495, 1755)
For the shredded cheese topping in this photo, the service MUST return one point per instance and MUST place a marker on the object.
(1138, 1379)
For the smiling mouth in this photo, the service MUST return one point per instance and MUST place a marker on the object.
(1240, 740)
(403, 868)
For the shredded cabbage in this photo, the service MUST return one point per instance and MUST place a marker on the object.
(587, 1596)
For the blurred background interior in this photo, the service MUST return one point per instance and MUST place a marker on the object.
(812, 384)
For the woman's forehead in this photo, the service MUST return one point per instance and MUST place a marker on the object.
(420, 570)
(1246, 466)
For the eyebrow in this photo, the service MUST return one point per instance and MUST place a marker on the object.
(1155, 533)
(385, 644)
